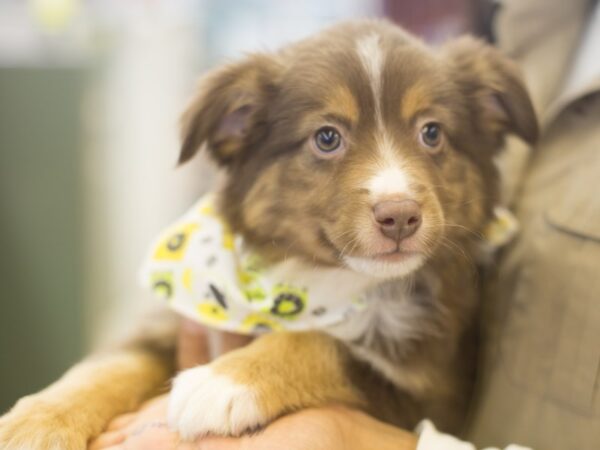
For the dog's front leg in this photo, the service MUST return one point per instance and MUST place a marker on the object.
(251, 386)
(77, 407)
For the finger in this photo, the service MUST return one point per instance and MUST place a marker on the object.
(107, 440)
(156, 405)
(121, 421)
(231, 341)
(192, 345)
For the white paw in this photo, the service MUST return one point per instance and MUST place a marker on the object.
(203, 402)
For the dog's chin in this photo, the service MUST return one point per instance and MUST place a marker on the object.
(389, 265)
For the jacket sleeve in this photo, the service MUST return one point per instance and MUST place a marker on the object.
(431, 439)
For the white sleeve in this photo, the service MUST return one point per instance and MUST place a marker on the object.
(431, 439)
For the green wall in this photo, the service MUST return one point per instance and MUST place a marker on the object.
(40, 233)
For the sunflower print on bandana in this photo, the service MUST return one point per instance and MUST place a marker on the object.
(173, 247)
(208, 275)
(288, 301)
(257, 323)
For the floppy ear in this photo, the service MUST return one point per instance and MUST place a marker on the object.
(495, 87)
(229, 110)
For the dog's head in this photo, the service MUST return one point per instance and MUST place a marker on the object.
(359, 146)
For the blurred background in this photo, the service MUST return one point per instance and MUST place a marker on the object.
(90, 95)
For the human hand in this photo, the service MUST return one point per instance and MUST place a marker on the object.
(331, 428)
(144, 429)
(197, 344)
(147, 427)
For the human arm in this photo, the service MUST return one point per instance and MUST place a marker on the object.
(331, 428)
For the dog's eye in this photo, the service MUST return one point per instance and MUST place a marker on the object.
(328, 139)
(431, 135)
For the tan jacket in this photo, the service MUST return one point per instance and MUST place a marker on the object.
(540, 382)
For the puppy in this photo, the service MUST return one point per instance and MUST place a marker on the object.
(359, 152)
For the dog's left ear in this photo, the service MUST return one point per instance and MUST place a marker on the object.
(228, 112)
(493, 84)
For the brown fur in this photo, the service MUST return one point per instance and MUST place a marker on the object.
(313, 381)
(257, 118)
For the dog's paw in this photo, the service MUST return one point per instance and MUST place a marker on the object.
(33, 425)
(204, 402)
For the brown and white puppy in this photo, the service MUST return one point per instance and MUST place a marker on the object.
(359, 152)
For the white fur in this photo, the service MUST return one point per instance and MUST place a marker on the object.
(372, 58)
(384, 269)
(203, 402)
(389, 181)
(389, 176)
(394, 315)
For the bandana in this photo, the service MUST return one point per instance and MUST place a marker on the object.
(205, 273)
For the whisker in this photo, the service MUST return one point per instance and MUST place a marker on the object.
(457, 250)
(462, 227)
(351, 243)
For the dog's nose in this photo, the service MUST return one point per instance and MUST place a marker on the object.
(398, 219)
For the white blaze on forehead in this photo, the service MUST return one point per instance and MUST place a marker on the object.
(389, 181)
(372, 58)
(389, 176)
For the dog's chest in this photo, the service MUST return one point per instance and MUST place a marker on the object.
(398, 314)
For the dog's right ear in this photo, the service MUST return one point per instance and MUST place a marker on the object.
(494, 87)
(229, 110)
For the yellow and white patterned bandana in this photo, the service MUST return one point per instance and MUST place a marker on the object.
(205, 274)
